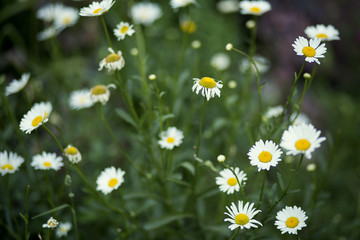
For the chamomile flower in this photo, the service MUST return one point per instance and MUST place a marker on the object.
(325, 33)
(228, 6)
(110, 179)
(73, 154)
(171, 138)
(123, 29)
(145, 12)
(208, 87)
(311, 49)
(274, 112)
(49, 12)
(175, 4)
(63, 229)
(254, 7)
(35, 117)
(80, 99)
(301, 139)
(96, 8)
(114, 61)
(16, 85)
(51, 223)
(9, 162)
(264, 155)
(290, 220)
(100, 93)
(66, 17)
(47, 161)
(242, 216)
(228, 182)
(220, 61)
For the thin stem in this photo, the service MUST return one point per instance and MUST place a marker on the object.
(233, 236)
(55, 138)
(262, 188)
(301, 100)
(48, 234)
(106, 30)
(200, 128)
(10, 204)
(27, 212)
(73, 211)
(50, 199)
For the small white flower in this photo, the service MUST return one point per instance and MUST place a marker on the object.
(242, 216)
(170, 138)
(325, 33)
(66, 17)
(35, 117)
(290, 220)
(49, 12)
(228, 182)
(312, 49)
(274, 112)
(264, 155)
(254, 7)
(114, 61)
(63, 229)
(51, 223)
(16, 85)
(123, 29)
(73, 154)
(101, 93)
(229, 47)
(221, 158)
(220, 61)
(175, 4)
(47, 161)
(96, 8)
(208, 87)
(145, 12)
(196, 44)
(110, 179)
(80, 99)
(9, 162)
(228, 6)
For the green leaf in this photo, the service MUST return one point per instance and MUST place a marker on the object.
(188, 166)
(126, 117)
(177, 181)
(281, 182)
(164, 220)
(51, 211)
(23, 217)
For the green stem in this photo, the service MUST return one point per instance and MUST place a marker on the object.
(10, 205)
(73, 212)
(262, 188)
(301, 100)
(27, 212)
(50, 199)
(48, 234)
(55, 138)
(233, 236)
(200, 129)
(106, 31)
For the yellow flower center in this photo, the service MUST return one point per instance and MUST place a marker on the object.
(112, 58)
(292, 222)
(241, 219)
(47, 164)
(7, 166)
(170, 140)
(255, 9)
(36, 121)
(309, 51)
(124, 29)
(322, 35)
(207, 82)
(188, 26)
(98, 90)
(232, 181)
(66, 20)
(71, 150)
(302, 145)
(96, 11)
(82, 100)
(265, 157)
(113, 182)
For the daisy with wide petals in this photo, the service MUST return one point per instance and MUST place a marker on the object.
(9, 162)
(114, 61)
(175, 4)
(100, 93)
(290, 220)
(80, 99)
(264, 155)
(35, 117)
(16, 85)
(171, 138)
(254, 7)
(51, 223)
(66, 17)
(242, 216)
(325, 33)
(145, 12)
(110, 179)
(73, 154)
(123, 29)
(208, 87)
(47, 161)
(311, 49)
(301, 139)
(63, 229)
(228, 182)
(96, 8)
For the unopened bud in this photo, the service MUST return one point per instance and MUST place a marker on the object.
(307, 75)
(221, 158)
(152, 77)
(250, 24)
(229, 46)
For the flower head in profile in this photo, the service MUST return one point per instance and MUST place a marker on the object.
(80, 99)
(290, 220)
(63, 229)
(145, 12)
(228, 182)
(73, 154)
(242, 216)
(208, 87)
(175, 4)
(312, 50)
(16, 85)
(47, 161)
(96, 8)
(110, 179)
(47, 33)
(113, 61)
(123, 29)
(9, 162)
(264, 155)
(256, 8)
(301, 139)
(171, 138)
(35, 117)
(100, 93)
(220, 61)
(325, 33)
(51, 223)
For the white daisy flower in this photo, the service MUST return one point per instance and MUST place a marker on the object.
(36, 116)
(114, 61)
(325, 33)
(301, 118)
(208, 87)
(47, 161)
(220, 61)
(9, 162)
(290, 220)
(63, 229)
(49, 12)
(51, 223)
(274, 112)
(254, 7)
(73, 154)
(228, 182)
(66, 17)
(96, 8)
(262, 65)
(80, 99)
(301, 139)
(312, 49)
(48, 33)
(145, 12)
(170, 138)
(175, 4)
(101, 93)
(123, 29)
(228, 6)
(242, 216)
(110, 179)
(264, 155)
(16, 85)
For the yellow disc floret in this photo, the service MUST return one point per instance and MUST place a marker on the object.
(113, 182)
(265, 157)
(322, 35)
(71, 150)
(47, 164)
(170, 140)
(302, 145)
(292, 222)
(207, 82)
(124, 29)
(309, 51)
(7, 166)
(113, 57)
(241, 219)
(96, 11)
(232, 181)
(255, 9)
(98, 90)
(37, 121)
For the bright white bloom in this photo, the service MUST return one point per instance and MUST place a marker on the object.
(49, 12)
(274, 112)
(47, 161)
(220, 61)
(254, 7)
(63, 229)
(145, 12)
(114, 61)
(221, 158)
(96, 8)
(51, 223)
(80, 99)
(123, 29)
(228, 6)
(242, 216)
(312, 49)
(171, 138)
(152, 77)
(228, 182)
(9, 162)
(290, 220)
(325, 33)
(262, 65)
(66, 17)
(175, 4)
(16, 85)
(101, 93)
(264, 155)
(229, 46)
(301, 139)
(36, 116)
(301, 118)
(208, 87)
(110, 179)
(73, 154)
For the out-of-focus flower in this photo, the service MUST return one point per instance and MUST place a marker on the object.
(80, 99)
(228, 6)
(220, 61)
(113, 61)
(171, 138)
(145, 12)
(325, 33)
(9, 162)
(256, 8)
(16, 85)
(123, 29)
